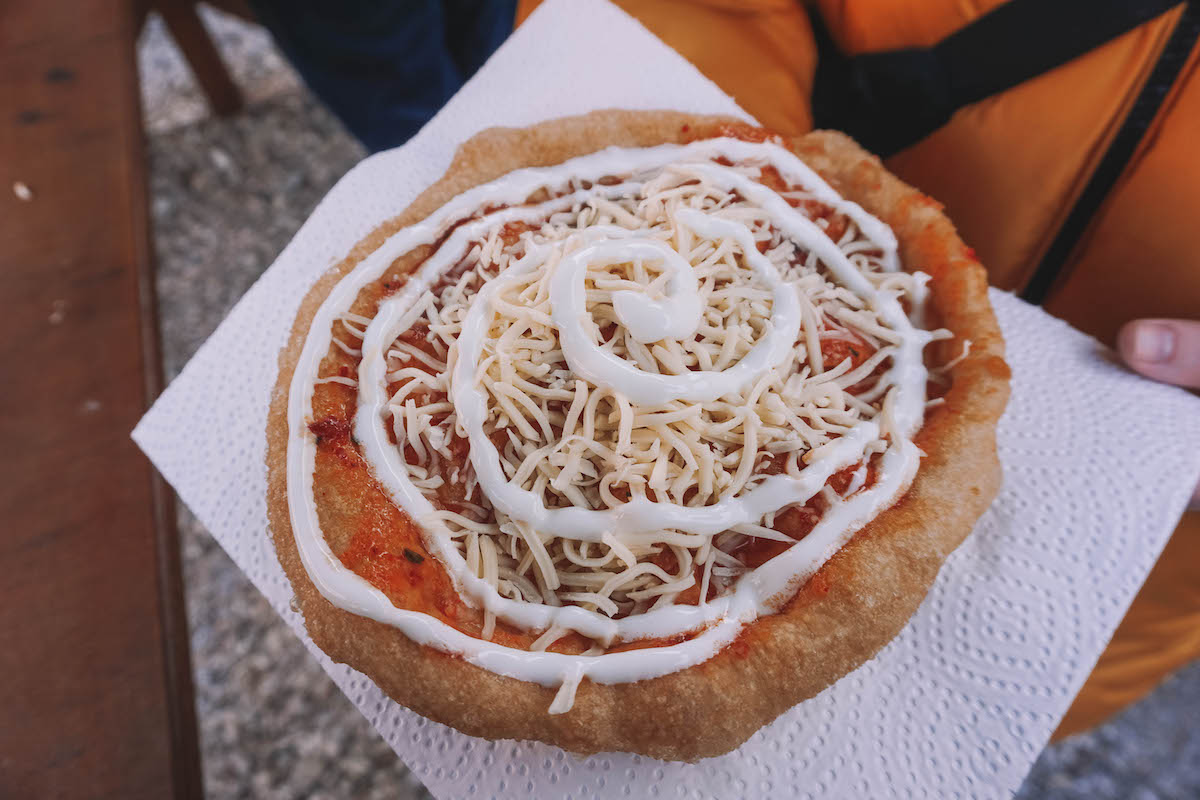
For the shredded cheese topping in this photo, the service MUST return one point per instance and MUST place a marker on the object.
(578, 444)
(639, 396)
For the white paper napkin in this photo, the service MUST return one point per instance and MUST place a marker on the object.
(1098, 465)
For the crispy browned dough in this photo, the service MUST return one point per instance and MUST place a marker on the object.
(852, 607)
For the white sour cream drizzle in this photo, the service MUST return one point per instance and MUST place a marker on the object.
(602, 368)
(759, 592)
(676, 316)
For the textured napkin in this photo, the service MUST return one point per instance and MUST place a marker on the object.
(1098, 465)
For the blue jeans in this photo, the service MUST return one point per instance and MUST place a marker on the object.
(385, 67)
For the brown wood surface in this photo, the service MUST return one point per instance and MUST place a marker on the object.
(95, 688)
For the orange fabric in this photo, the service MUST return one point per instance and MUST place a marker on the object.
(865, 26)
(1139, 259)
(1009, 169)
(760, 52)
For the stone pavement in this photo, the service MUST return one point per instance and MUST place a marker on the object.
(226, 196)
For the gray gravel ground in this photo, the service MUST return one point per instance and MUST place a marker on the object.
(170, 95)
(227, 195)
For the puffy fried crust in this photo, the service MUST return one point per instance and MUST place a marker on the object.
(852, 607)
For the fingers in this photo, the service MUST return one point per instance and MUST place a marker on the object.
(1166, 350)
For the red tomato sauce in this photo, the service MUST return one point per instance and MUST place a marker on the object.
(377, 541)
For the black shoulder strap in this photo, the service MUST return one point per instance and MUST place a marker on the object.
(889, 100)
(892, 99)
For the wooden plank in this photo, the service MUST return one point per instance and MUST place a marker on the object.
(203, 58)
(96, 690)
(27, 22)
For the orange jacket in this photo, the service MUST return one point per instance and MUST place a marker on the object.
(1010, 169)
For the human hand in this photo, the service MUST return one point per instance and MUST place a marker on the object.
(1166, 350)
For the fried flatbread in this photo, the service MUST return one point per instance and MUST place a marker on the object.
(857, 602)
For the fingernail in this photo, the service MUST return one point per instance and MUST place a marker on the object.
(1153, 343)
